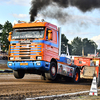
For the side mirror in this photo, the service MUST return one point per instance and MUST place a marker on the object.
(49, 34)
(10, 33)
(9, 37)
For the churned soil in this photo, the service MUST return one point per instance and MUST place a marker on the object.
(32, 86)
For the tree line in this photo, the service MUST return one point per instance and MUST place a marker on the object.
(5, 29)
(75, 47)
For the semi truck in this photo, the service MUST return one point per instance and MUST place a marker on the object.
(35, 48)
(89, 67)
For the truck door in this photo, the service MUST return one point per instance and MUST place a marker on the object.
(50, 46)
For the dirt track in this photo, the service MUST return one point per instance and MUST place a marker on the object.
(33, 86)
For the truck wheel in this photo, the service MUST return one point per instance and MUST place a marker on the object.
(18, 74)
(53, 70)
(76, 77)
(52, 75)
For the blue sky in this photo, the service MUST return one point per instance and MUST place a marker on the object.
(84, 25)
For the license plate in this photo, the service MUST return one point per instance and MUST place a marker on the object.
(23, 63)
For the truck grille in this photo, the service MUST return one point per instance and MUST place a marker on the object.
(25, 51)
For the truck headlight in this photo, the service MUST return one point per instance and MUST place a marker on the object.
(38, 63)
(11, 58)
(39, 58)
(10, 64)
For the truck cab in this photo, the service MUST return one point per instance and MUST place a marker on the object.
(32, 47)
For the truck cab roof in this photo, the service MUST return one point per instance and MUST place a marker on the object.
(36, 23)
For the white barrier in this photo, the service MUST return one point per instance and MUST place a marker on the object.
(93, 89)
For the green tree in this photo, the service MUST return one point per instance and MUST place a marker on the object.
(0, 35)
(89, 46)
(0, 26)
(7, 27)
(77, 46)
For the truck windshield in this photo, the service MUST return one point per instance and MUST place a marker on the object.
(29, 33)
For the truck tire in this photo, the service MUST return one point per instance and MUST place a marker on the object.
(76, 76)
(18, 74)
(52, 75)
(53, 70)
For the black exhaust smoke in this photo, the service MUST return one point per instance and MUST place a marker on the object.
(36, 6)
(40, 5)
(86, 5)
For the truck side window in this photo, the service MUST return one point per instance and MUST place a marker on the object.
(47, 33)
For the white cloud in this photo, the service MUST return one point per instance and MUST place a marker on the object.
(97, 40)
(20, 16)
(14, 22)
(17, 2)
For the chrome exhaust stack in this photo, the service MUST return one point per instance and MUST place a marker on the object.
(59, 39)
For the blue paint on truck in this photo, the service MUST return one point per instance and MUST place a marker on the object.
(30, 65)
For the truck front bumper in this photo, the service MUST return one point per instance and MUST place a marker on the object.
(42, 65)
